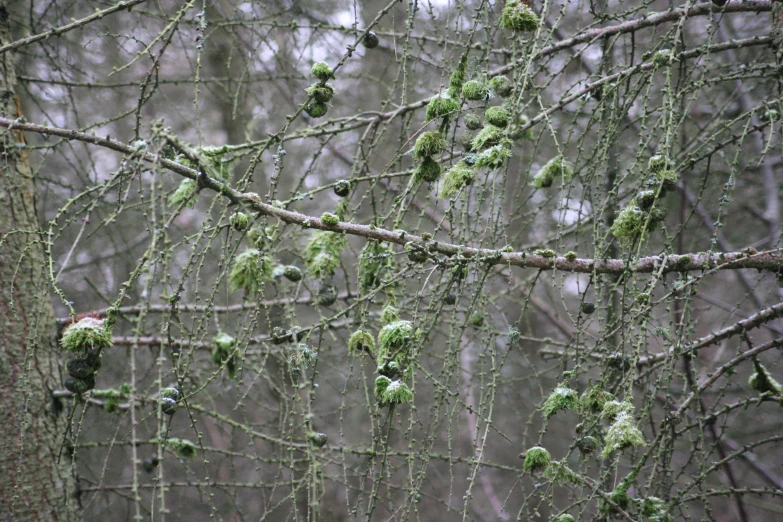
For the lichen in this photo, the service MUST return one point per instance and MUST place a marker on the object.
(250, 271)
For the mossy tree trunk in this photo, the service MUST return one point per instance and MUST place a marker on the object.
(33, 486)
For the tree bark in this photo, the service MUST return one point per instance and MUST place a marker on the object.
(33, 486)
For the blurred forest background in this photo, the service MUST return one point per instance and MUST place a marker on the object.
(580, 287)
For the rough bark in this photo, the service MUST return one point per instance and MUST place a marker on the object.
(32, 484)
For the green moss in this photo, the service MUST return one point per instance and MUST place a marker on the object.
(431, 143)
(612, 408)
(559, 473)
(428, 171)
(322, 253)
(239, 221)
(186, 189)
(322, 71)
(361, 341)
(466, 138)
(316, 109)
(473, 121)
(565, 517)
(561, 399)
(475, 90)
(494, 157)
(594, 399)
(570, 255)
(168, 406)
(536, 459)
(182, 447)
(645, 199)
(80, 368)
(318, 440)
(556, 169)
(457, 77)
(329, 219)
(170, 393)
(654, 509)
(440, 106)
(416, 254)
(394, 337)
(663, 58)
(327, 295)
(250, 271)
(397, 392)
(456, 177)
(517, 16)
(292, 273)
(763, 382)
(489, 136)
(76, 385)
(587, 444)
(257, 237)
(381, 383)
(224, 341)
(547, 252)
(321, 92)
(658, 163)
(497, 116)
(342, 188)
(375, 263)
(223, 353)
(619, 496)
(389, 314)
(622, 433)
(87, 333)
(629, 224)
(501, 85)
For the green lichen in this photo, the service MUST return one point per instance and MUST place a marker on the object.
(329, 219)
(431, 143)
(250, 271)
(536, 459)
(763, 382)
(87, 333)
(322, 253)
(182, 447)
(441, 105)
(457, 177)
(186, 189)
(497, 116)
(361, 341)
(561, 398)
(239, 221)
(501, 85)
(553, 170)
(381, 383)
(316, 109)
(517, 16)
(473, 121)
(397, 392)
(489, 136)
(623, 432)
(475, 90)
(321, 92)
(322, 71)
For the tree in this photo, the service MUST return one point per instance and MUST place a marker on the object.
(386, 260)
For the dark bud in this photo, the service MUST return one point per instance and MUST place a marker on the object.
(279, 335)
(587, 308)
(74, 385)
(150, 464)
(417, 256)
(645, 199)
(371, 40)
(327, 295)
(80, 368)
(317, 439)
(343, 188)
(450, 299)
(293, 273)
(619, 362)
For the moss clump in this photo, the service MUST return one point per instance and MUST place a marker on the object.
(381, 383)
(594, 399)
(489, 136)
(559, 473)
(428, 171)
(545, 252)
(389, 369)
(619, 496)
(316, 109)
(565, 517)
(457, 77)
(394, 337)
(517, 16)
(370, 40)
(570, 255)
(623, 432)
(494, 157)
(587, 444)
(416, 254)
(186, 189)
(440, 106)
(654, 509)
(431, 143)
(329, 219)
(322, 253)
(375, 263)
(321, 92)
(389, 314)
(250, 271)
(317, 439)
(632, 222)
(292, 273)
(361, 341)
(763, 382)
(327, 295)
(239, 221)
(473, 122)
(170, 393)
(168, 406)
(223, 353)
(76, 385)
(475, 90)
(466, 139)
(397, 392)
(645, 199)
(80, 368)
(501, 85)
(554, 169)
(342, 188)
(458, 176)
(658, 163)
(612, 408)
(663, 58)
(87, 333)
(561, 399)
(182, 447)
(497, 116)
(322, 71)
(536, 459)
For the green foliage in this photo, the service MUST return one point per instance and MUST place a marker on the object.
(322, 71)
(431, 143)
(501, 85)
(517, 16)
(182, 447)
(397, 392)
(456, 177)
(361, 341)
(441, 105)
(475, 90)
(329, 219)
(87, 333)
(536, 459)
(250, 271)
(497, 116)
(321, 92)
(186, 188)
(555, 169)
(561, 399)
(495, 156)
(763, 382)
(322, 253)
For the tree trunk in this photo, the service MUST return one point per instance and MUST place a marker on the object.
(32, 484)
